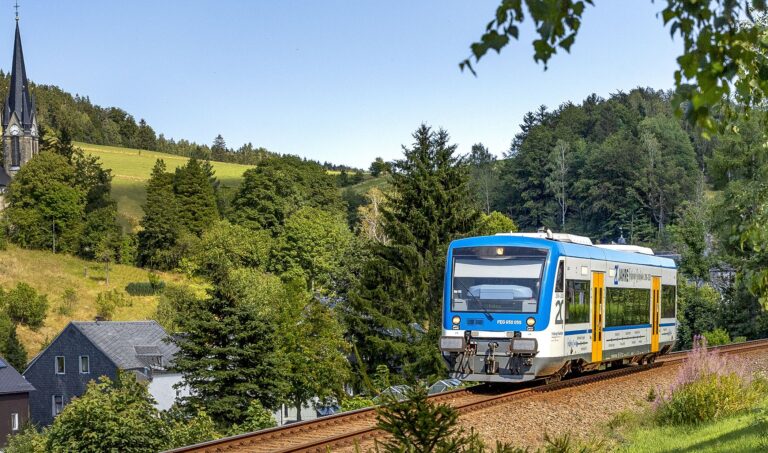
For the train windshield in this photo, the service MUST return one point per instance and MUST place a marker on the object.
(497, 279)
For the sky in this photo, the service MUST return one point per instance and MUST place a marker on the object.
(339, 81)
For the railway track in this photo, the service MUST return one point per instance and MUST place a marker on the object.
(345, 429)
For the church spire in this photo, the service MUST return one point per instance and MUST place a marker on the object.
(19, 99)
(20, 137)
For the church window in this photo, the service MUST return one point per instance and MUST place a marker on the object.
(15, 152)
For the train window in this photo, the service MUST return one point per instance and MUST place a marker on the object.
(577, 301)
(668, 301)
(560, 282)
(497, 279)
(627, 306)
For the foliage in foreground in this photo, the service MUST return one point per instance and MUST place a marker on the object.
(709, 386)
(417, 425)
(115, 416)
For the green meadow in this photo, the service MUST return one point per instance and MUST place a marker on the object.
(131, 169)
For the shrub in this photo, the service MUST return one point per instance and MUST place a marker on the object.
(142, 288)
(29, 440)
(25, 306)
(257, 417)
(416, 424)
(739, 339)
(717, 337)
(109, 301)
(68, 300)
(708, 386)
(356, 402)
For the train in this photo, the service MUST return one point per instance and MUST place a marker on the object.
(525, 306)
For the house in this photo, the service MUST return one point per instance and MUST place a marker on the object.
(85, 351)
(14, 401)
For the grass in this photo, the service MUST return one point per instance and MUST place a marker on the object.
(362, 188)
(131, 169)
(636, 433)
(52, 274)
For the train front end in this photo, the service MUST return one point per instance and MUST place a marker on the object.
(497, 309)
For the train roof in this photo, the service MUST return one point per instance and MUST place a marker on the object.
(567, 249)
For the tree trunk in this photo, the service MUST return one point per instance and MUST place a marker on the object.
(298, 410)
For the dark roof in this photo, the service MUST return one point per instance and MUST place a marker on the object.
(11, 381)
(19, 100)
(130, 344)
(5, 180)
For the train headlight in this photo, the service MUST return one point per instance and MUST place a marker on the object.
(530, 321)
(456, 320)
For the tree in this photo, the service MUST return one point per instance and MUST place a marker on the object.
(109, 416)
(669, 167)
(724, 47)
(314, 344)
(314, 242)
(225, 246)
(559, 165)
(483, 175)
(371, 217)
(378, 167)
(279, 186)
(195, 200)
(230, 353)
(494, 223)
(160, 224)
(394, 311)
(10, 347)
(25, 306)
(145, 136)
(46, 207)
(219, 148)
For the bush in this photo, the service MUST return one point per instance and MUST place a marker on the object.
(68, 300)
(25, 306)
(739, 339)
(26, 441)
(356, 402)
(717, 337)
(416, 424)
(109, 301)
(709, 386)
(143, 288)
(257, 417)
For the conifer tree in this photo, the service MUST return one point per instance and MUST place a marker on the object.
(230, 353)
(395, 310)
(196, 202)
(160, 222)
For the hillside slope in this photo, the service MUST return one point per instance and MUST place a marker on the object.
(131, 169)
(53, 274)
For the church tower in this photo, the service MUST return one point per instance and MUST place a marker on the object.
(20, 135)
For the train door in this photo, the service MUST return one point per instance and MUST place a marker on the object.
(598, 290)
(655, 312)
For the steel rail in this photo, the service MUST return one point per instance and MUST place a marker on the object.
(360, 425)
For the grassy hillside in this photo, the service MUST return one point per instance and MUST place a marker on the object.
(52, 274)
(131, 169)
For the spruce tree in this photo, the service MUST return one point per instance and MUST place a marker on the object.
(160, 223)
(196, 202)
(230, 354)
(14, 351)
(395, 310)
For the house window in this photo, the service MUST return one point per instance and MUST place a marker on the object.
(60, 365)
(58, 404)
(14, 421)
(85, 365)
(15, 152)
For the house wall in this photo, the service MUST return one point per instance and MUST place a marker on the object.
(42, 373)
(161, 388)
(9, 404)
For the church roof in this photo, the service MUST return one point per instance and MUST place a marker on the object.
(19, 99)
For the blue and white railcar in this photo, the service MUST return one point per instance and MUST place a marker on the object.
(524, 306)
